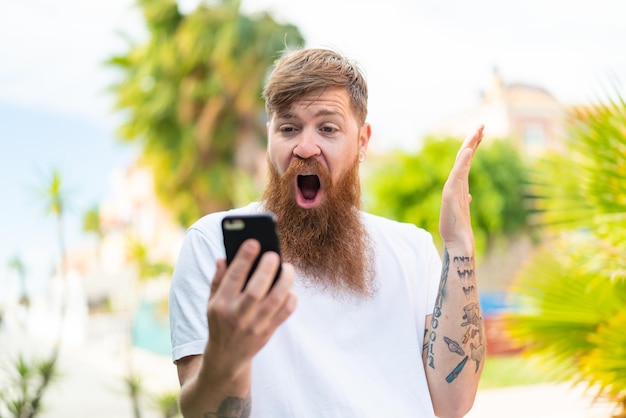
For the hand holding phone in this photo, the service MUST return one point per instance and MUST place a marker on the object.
(262, 227)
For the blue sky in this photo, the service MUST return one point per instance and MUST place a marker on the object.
(425, 61)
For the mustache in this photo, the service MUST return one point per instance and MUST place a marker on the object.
(308, 166)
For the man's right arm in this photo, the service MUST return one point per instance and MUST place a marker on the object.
(217, 383)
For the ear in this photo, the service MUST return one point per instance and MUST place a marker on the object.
(365, 132)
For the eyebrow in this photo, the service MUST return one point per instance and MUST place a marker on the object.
(329, 112)
(285, 115)
(288, 114)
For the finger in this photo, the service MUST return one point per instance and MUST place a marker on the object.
(238, 269)
(473, 140)
(260, 282)
(266, 326)
(461, 168)
(220, 270)
(284, 311)
(277, 296)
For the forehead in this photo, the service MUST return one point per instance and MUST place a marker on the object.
(333, 101)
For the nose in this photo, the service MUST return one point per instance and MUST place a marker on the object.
(307, 145)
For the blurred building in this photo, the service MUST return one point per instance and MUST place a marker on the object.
(527, 115)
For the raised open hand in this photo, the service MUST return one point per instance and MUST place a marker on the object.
(454, 221)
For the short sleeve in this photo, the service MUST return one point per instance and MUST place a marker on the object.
(189, 293)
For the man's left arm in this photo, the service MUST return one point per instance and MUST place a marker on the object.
(455, 342)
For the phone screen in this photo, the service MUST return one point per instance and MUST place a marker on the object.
(262, 227)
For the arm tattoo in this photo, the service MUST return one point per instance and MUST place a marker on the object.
(456, 371)
(470, 292)
(232, 407)
(472, 322)
(438, 303)
(454, 346)
(472, 317)
(464, 268)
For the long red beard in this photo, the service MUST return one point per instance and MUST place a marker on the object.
(328, 243)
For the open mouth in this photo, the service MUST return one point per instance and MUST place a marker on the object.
(309, 186)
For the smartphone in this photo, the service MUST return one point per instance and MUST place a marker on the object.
(262, 227)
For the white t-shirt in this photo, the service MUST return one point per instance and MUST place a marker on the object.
(335, 356)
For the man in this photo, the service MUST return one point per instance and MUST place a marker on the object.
(364, 321)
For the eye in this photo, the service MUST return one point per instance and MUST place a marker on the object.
(287, 129)
(327, 129)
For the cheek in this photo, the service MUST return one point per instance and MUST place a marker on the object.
(342, 162)
(279, 158)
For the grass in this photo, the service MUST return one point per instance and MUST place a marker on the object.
(511, 370)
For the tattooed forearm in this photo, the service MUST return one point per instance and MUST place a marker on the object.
(438, 303)
(468, 343)
(232, 407)
(473, 336)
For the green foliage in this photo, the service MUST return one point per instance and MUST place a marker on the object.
(511, 370)
(556, 176)
(167, 404)
(134, 388)
(408, 188)
(572, 295)
(498, 181)
(192, 96)
(586, 187)
(23, 387)
(138, 255)
(55, 195)
(91, 222)
(563, 300)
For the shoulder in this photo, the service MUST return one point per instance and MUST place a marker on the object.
(400, 238)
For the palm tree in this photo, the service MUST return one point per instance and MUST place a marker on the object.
(55, 198)
(192, 96)
(572, 295)
(24, 386)
(30, 380)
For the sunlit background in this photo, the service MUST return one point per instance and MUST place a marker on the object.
(429, 64)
